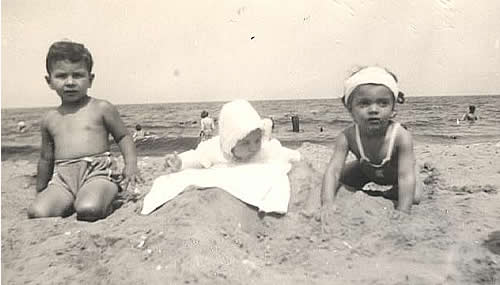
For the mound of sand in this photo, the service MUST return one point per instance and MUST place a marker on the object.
(209, 237)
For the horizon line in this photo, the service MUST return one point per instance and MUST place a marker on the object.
(271, 99)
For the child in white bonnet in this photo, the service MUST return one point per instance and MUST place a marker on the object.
(242, 160)
(243, 137)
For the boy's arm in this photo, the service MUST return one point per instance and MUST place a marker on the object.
(122, 137)
(406, 172)
(45, 167)
(331, 178)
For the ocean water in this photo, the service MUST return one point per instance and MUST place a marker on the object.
(430, 119)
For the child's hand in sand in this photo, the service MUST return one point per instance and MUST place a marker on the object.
(131, 175)
(173, 163)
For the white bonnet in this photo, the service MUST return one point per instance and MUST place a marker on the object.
(370, 75)
(236, 120)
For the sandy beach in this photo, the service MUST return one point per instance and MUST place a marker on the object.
(209, 237)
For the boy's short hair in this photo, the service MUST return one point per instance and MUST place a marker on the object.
(67, 50)
(138, 127)
(204, 114)
(472, 108)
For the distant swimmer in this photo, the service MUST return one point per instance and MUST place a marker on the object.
(141, 135)
(470, 116)
(207, 126)
(21, 127)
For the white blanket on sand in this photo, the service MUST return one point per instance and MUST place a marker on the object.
(263, 185)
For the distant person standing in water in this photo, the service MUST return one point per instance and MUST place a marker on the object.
(139, 133)
(21, 127)
(471, 115)
(207, 126)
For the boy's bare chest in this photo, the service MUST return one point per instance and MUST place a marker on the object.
(76, 124)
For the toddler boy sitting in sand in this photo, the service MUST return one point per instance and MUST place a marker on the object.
(76, 171)
(243, 149)
(384, 149)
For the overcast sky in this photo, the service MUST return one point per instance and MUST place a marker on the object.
(149, 51)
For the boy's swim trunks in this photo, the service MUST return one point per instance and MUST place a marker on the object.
(72, 174)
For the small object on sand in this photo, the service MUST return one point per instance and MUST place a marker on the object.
(141, 244)
(249, 263)
(347, 244)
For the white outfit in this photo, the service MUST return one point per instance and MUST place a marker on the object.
(262, 181)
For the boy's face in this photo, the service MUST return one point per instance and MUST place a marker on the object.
(70, 80)
(372, 107)
(247, 147)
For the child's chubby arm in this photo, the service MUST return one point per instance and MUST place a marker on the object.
(204, 156)
(122, 137)
(406, 171)
(188, 159)
(331, 179)
(45, 166)
(323, 198)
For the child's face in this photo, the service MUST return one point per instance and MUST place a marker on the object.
(247, 147)
(70, 80)
(372, 107)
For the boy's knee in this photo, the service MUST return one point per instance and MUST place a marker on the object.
(89, 212)
(36, 210)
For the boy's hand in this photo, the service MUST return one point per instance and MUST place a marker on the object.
(173, 163)
(132, 175)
